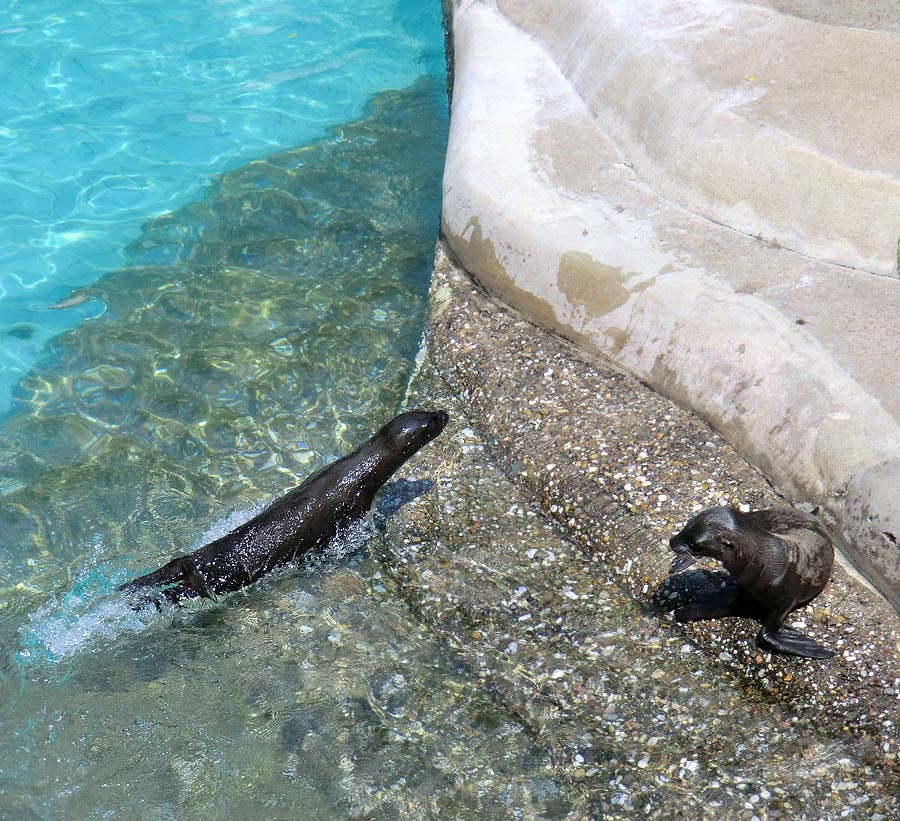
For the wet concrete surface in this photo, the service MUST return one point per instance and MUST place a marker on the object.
(556, 488)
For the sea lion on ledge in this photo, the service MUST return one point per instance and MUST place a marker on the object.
(780, 559)
(305, 519)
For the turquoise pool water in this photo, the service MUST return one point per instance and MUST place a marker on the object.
(114, 112)
(215, 243)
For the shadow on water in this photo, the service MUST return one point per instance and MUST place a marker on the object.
(258, 334)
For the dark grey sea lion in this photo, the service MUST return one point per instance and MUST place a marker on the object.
(780, 559)
(304, 520)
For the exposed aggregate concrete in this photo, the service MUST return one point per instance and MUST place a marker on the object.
(556, 489)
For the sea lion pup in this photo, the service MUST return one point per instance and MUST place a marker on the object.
(304, 520)
(780, 558)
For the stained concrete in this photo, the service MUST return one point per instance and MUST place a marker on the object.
(707, 194)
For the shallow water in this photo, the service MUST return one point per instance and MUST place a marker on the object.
(641, 720)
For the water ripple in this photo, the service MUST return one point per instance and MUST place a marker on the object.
(112, 115)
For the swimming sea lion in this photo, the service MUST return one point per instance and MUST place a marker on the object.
(780, 558)
(305, 519)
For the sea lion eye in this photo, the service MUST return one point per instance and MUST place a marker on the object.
(726, 543)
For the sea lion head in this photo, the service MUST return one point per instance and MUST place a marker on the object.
(410, 431)
(709, 533)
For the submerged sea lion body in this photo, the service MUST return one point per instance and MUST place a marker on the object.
(304, 520)
(780, 558)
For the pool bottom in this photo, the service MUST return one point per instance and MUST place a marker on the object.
(538, 550)
(315, 697)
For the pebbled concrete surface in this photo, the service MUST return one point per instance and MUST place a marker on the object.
(555, 489)
(877, 15)
(707, 195)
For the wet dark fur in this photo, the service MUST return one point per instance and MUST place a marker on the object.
(780, 559)
(304, 520)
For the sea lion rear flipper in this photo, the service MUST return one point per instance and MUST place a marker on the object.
(170, 573)
(181, 573)
(791, 642)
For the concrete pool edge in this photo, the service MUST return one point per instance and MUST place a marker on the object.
(554, 206)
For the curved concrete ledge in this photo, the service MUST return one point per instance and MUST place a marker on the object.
(555, 202)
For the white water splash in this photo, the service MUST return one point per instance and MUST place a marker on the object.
(90, 610)
(347, 541)
(93, 610)
(232, 521)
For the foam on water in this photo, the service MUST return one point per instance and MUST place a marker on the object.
(93, 611)
(231, 522)
(346, 543)
(89, 611)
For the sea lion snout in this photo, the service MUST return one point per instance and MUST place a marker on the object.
(441, 418)
(409, 431)
(683, 556)
(709, 533)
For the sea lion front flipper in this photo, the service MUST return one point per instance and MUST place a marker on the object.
(791, 642)
(708, 598)
(175, 595)
(193, 584)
